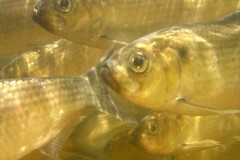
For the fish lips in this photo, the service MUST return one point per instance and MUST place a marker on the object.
(46, 17)
(107, 77)
(37, 10)
(134, 137)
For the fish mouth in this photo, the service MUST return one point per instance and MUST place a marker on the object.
(45, 17)
(38, 14)
(134, 137)
(37, 9)
(107, 77)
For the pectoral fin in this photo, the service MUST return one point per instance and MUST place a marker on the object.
(53, 148)
(201, 145)
(206, 108)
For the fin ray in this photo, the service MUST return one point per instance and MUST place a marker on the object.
(210, 109)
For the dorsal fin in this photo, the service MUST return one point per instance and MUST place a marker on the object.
(234, 17)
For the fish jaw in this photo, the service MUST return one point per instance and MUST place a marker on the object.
(115, 75)
(41, 14)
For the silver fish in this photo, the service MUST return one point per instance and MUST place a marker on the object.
(35, 111)
(116, 22)
(189, 69)
(17, 29)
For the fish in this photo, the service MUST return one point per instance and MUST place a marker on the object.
(18, 31)
(35, 111)
(121, 147)
(61, 58)
(93, 133)
(190, 69)
(104, 24)
(165, 133)
(41, 113)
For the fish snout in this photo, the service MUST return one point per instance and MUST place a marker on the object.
(105, 72)
(134, 137)
(37, 7)
(108, 76)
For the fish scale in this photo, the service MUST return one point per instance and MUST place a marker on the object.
(48, 105)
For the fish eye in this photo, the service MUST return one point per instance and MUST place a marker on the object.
(64, 6)
(152, 128)
(138, 62)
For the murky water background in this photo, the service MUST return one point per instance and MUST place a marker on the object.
(28, 49)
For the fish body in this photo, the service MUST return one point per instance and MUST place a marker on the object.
(189, 69)
(17, 29)
(106, 23)
(61, 58)
(34, 111)
(93, 133)
(42, 112)
(163, 133)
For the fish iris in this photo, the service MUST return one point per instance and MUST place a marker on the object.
(64, 5)
(138, 62)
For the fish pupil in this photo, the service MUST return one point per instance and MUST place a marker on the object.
(63, 6)
(138, 62)
(152, 128)
(64, 3)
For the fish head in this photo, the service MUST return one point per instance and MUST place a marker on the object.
(140, 72)
(134, 72)
(65, 18)
(156, 133)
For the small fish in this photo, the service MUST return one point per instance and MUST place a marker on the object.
(61, 58)
(190, 69)
(91, 135)
(17, 29)
(104, 23)
(163, 133)
(121, 147)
